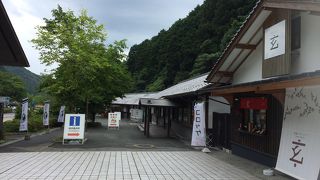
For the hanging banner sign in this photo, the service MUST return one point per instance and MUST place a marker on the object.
(74, 125)
(254, 103)
(299, 145)
(199, 128)
(45, 117)
(24, 116)
(61, 114)
(275, 40)
(136, 114)
(114, 120)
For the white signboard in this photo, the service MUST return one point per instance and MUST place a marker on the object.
(275, 40)
(24, 117)
(136, 114)
(74, 125)
(113, 120)
(61, 114)
(199, 129)
(118, 115)
(45, 117)
(299, 146)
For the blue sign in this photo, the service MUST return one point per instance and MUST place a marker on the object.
(74, 121)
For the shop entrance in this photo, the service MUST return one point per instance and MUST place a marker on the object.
(221, 130)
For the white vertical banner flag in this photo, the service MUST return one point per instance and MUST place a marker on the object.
(299, 145)
(61, 114)
(45, 117)
(199, 129)
(24, 116)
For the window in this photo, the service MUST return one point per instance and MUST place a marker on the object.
(296, 33)
(253, 119)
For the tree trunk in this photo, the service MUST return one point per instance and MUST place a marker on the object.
(87, 111)
(93, 117)
(1, 121)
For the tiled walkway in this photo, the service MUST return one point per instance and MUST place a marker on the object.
(116, 165)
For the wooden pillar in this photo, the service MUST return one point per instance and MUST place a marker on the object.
(145, 120)
(148, 121)
(170, 110)
(206, 112)
(1, 121)
(164, 117)
(156, 112)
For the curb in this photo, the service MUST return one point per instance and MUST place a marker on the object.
(140, 127)
(31, 136)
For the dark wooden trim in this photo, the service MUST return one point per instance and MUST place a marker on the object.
(239, 35)
(234, 60)
(244, 59)
(246, 46)
(170, 110)
(225, 73)
(278, 65)
(296, 5)
(268, 86)
(232, 90)
(164, 117)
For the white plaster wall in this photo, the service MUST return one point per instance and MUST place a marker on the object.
(251, 69)
(307, 59)
(217, 107)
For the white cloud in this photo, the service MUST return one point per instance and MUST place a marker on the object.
(24, 23)
(124, 19)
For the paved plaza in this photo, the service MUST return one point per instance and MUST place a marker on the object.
(117, 165)
(121, 154)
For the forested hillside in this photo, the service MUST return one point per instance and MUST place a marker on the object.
(30, 79)
(189, 47)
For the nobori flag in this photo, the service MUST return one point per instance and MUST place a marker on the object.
(61, 114)
(199, 127)
(45, 117)
(299, 145)
(24, 117)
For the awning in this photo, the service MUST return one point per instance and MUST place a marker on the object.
(278, 83)
(157, 102)
(11, 52)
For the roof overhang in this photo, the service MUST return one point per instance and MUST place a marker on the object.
(250, 35)
(11, 52)
(270, 85)
(157, 102)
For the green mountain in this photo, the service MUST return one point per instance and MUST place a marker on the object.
(30, 79)
(189, 47)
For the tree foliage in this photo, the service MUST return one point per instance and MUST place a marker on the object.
(189, 47)
(12, 86)
(88, 70)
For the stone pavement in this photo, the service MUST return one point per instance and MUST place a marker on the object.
(117, 165)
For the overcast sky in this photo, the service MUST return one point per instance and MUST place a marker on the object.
(134, 20)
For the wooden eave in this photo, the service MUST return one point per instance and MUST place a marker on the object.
(11, 52)
(246, 46)
(251, 18)
(301, 5)
(307, 79)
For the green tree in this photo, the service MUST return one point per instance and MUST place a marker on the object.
(88, 72)
(11, 86)
(204, 63)
(172, 54)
